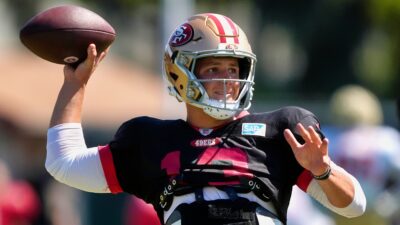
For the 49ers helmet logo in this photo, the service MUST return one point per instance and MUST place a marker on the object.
(182, 35)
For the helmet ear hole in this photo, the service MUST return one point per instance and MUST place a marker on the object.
(173, 76)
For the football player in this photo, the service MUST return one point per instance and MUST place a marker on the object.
(222, 165)
(369, 150)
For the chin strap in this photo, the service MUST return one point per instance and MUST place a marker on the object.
(221, 110)
(219, 114)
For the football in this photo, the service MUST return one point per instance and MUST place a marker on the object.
(62, 34)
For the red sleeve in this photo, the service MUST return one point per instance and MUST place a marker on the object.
(107, 163)
(304, 180)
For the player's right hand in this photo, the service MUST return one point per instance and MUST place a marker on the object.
(313, 153)
(81, 74)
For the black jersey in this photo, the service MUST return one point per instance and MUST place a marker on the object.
(147, 152)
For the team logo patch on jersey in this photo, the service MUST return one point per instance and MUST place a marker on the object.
(206, 142)
(255, 129)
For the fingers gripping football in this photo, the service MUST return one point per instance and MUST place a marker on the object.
(82, 73)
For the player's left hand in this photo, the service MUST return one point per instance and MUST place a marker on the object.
(313, 154)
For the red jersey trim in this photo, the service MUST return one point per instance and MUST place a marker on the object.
(304, 180)
(240, 115)
(107, 163)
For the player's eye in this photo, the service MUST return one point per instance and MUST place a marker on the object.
(209, 72)
(212, 70)
(233, 72)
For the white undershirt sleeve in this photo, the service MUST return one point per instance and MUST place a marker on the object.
(70, 162)
(355, 208)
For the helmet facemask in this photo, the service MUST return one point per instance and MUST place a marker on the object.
(200, 38)
(227, 106)
(197, 95)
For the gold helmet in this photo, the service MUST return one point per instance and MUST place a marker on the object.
(208, 35)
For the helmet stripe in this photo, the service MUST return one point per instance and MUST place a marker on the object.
(226, 28)
(234, 29)
(220, 28)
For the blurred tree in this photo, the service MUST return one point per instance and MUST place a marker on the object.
(385, 16)
(327, 31)
(306, 46)
(23, 10)
(120, 6)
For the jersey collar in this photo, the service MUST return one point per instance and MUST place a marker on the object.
(208, 131)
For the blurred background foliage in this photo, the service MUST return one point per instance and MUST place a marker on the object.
(307, 46)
